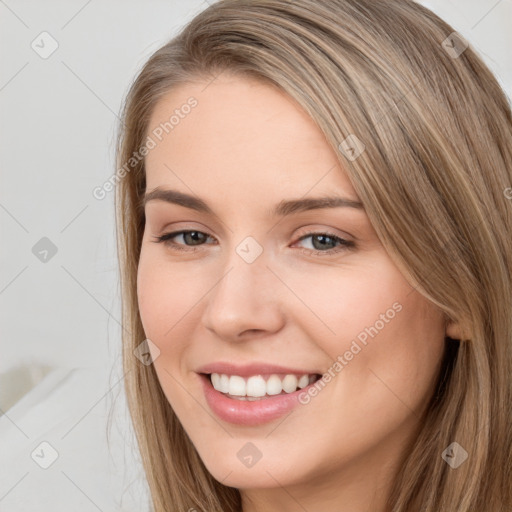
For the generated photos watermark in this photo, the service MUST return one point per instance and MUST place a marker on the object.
(355, 348)
(150, 143)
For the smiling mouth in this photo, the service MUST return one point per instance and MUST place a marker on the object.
(258, 387)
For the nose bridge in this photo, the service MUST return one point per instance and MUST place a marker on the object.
(245, 267)
(242, 299)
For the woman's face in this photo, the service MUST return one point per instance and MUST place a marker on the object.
(262, 290)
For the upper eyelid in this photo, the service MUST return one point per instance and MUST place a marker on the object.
(308, 232)
(218, 224)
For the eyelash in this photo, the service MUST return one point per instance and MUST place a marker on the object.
(165, 239)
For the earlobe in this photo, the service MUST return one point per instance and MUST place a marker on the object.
(454, 331)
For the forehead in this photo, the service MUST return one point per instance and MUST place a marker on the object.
(240, 132)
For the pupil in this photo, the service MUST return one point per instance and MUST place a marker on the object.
(323, 237)
(195, 236)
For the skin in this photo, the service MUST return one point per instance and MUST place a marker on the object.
(245, 147)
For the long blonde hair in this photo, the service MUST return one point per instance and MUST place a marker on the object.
(434, 179)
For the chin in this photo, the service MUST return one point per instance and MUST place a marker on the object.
(262, 474)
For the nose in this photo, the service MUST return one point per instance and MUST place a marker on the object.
(246, 301)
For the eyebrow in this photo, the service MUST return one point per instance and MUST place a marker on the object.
(282, 209)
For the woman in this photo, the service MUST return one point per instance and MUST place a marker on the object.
(314, 239)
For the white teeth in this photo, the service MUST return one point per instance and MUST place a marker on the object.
(274, 385)
(290, 383)
(237, 386)
(303, 381)
(223, 384)
(256, 387)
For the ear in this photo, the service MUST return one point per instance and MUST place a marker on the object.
(454, 330)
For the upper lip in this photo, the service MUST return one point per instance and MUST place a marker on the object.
(247, 370)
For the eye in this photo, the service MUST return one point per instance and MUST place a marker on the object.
(326, 242)
(194, 237)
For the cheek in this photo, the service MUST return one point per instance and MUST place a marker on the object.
(395, 368)
(151, 296)
(165, 304)
(166, 296)
(342, 302)
(389, 337)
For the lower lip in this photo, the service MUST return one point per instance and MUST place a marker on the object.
(244, 412)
